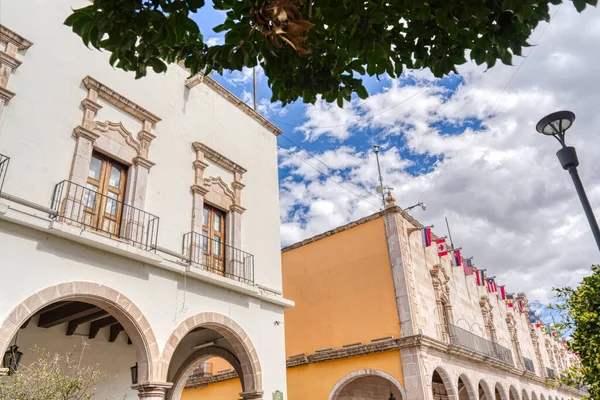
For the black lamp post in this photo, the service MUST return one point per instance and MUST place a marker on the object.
(12, 358)
(556, 124)
(392, 397)
(134, 374)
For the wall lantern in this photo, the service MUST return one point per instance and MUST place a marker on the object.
(134, 374)
(12, 357)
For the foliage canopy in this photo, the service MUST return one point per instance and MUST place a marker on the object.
(313, 47)
(580, 312)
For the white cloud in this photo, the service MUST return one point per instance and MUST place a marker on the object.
(510, 204)
(213, 41)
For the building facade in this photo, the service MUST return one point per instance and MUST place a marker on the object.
(138, 215)
(371, 290)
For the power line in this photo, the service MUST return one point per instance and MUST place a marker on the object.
(371, 117)
(489, 111)
(331, 178)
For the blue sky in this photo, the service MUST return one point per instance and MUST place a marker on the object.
(464, 144)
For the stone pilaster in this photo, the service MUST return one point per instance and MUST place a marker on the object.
(152, 390)
(84, 146)
(9, 61)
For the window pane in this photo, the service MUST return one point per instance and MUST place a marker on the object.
(217, 243)
(111, 204)
(204, 243)
(115, 177)
(217, 226)
(205, 217)
(89, 195)
(95, 166)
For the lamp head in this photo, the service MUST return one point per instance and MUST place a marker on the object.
(376, 147)
(423, 206)
(556, 124)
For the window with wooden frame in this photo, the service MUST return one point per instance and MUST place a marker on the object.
(103, 199)
(213, 241)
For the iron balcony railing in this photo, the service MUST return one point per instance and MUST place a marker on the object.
(550, 373)
(529, 365)
(204, 370)
(212, 255)
(464, 338)
(4, 160)
(81, 206)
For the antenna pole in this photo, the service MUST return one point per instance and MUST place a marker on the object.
(449, 234)
(376, 147)
(254, 85)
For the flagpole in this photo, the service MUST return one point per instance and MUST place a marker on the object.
(449, 234)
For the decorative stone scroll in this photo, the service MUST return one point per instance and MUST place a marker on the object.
(441, 289)
(512, 328)
(9, 61)
(215, 191)
(113, 139)
(488, 317)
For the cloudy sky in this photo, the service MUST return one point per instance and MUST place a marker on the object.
(465, 145)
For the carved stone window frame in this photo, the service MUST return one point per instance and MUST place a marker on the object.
(114, 140)
(441, 288)
(488, 317)
(217, 193)
(9, 61)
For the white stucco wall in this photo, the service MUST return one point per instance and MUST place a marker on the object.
(36, 132)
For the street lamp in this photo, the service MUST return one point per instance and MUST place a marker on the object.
(556, 124)
(421, 204)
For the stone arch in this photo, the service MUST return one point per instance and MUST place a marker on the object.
(542, 397)
(346, 380)
(524, 395)
(186, 369)
(513, 394)
(476, 328)
(534, 396)
(465, 323)
(243, 349)
(484, 390)
(466, 387)
(499, 392)
(450, 392)
(118, 305)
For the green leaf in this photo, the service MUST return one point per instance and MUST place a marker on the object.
(579, 5)
(425, 13)
(441, 17)
(361, 91)
(157, 65)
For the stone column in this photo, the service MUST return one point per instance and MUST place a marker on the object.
(152, 390)
(254, 395)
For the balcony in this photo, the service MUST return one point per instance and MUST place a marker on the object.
(217, 257)
(528, 365)
(80, 206)
(204, 370)
(550, 373)
(462, 337)
(4, 160)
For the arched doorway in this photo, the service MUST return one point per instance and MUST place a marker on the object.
(484, 391)
(534, 396)
(211, 335)
(499, 393)
(524, 395)
(380, 386)
(117, 334)
(441, 385)
(512, 393)
(465, 390)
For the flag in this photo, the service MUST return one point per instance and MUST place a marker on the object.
(521, 309)
(426, 237)
(510, 301)
(532, 317)
(538, 325)
(468, 267)
(480, 277)
(491, 285)
(502, 292)
(457, 258)
(442, 247)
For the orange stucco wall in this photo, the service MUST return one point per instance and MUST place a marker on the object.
(315, 381)
(225, 390)
(343, 289)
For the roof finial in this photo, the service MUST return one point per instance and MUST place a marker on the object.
(390, 200)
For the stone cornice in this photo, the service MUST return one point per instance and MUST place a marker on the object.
(218, 158)
(80, 131)
(120, 101)
(9, 61)
(141, 161)
(88, 104)
(6, 35)
(214, 85)
(6, 94)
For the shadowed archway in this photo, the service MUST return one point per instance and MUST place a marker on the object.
(375, 378)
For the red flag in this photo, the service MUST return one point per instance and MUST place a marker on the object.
(502, 292)
(538, 325)
(457, 258)
(520, 306)
(442, 247)
(426, 237)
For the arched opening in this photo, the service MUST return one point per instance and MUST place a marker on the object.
(524, 395)
(212, 377)
(378, 383)
(542, 397)
(441, 386)
(206, 336)
(534, 396)
(465, 391)
(499, 393)
(513, 394)
(91, 323)
(484, 391)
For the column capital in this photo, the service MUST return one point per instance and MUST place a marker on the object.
(82, 132)
(258, 395)
(152, 390)
(143, 162)
(199, 189)
(237, 208)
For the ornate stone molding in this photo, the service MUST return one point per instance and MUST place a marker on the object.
(218, 158)
(8, 36)
(10, 61)
(6, 94)
(488, 317)
(120, 101)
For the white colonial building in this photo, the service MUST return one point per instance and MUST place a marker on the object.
(139, 215)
